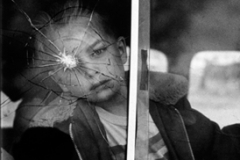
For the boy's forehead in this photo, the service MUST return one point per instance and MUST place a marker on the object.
(82, 31)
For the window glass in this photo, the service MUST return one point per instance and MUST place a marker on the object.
(7, 111)
(215, 85)
(157, 61)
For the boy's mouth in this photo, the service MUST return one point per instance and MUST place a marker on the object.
(97, 85)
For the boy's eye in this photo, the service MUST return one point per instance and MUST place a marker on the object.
(98, 52)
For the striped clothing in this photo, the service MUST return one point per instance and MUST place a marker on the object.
(116, 127)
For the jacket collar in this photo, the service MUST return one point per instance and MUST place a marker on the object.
(167, 88)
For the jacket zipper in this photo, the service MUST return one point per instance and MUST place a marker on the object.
(185, 131)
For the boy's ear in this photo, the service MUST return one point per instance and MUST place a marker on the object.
(121, 44)
(63, 87)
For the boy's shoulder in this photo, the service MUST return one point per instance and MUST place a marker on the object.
(167, 88)
(181, 124)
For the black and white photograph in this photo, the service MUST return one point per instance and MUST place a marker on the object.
(120, 80)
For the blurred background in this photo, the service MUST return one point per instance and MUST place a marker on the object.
(201, 40)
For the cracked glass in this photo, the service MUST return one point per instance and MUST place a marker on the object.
(63, 54)
(51, 60)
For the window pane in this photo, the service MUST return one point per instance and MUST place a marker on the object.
(215, 85)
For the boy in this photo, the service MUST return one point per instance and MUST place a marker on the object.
(81, 54)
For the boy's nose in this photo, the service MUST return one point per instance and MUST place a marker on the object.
(90, 72)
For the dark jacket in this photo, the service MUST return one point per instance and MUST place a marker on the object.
(187, 133)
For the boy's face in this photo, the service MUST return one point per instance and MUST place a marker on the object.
(96, 71)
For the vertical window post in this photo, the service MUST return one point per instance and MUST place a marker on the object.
(139, 51)
(133, 86)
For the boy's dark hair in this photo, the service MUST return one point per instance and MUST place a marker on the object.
(112, 15)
